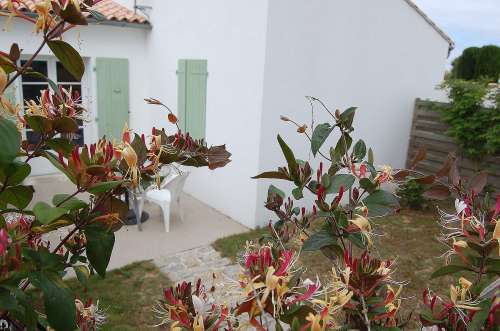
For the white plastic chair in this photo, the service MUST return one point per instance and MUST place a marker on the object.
(168, 197)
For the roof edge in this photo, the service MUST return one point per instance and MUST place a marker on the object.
(433, 24)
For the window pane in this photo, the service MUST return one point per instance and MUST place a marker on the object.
(76, 90)
(33, 92)
(32, 137)
(63, 75)
(78, 138)
(38, 66)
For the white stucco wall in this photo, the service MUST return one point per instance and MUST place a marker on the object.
(376, 55)
(230, 35)
(95, 41)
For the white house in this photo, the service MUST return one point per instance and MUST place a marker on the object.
(231, 67)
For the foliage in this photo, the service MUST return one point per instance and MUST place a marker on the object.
(411, 194)
(473, 116)
(478, 63)
(103, 171)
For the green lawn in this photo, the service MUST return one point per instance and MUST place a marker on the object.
(126, 295)
(409, 237)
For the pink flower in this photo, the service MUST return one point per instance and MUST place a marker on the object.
(4, 241)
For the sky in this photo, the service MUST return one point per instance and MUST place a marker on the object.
(467, 22)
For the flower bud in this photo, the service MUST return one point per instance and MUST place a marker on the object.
(284, 118)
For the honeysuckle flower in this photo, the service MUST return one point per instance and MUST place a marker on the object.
(44, 20)
(4, 241)
(460, 206)
(363, 224)
(89, 316)
(127, 152)
(385, 175)
(318, 322)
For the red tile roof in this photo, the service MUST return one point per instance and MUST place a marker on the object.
(108, 8)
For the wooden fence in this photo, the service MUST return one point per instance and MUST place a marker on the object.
(428, 130)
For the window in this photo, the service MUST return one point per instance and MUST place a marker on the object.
(192, 96)
(31, 87)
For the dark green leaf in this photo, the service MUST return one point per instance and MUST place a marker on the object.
(14, 173)
(343, 145)
(60, 145)
(290, 158)
(19, 196)
(347, 117)
(97, 15)
(272, 175)
(69, 204)
(344, 180)
(47, 214)
(99, 248)
(319, 136)
(319, 240)
(381, 203)
(82, 274)
(38, 123)
(360, 150)
(69, 57)
(104, 187)
(10, 141)
(65, 125)
(479, 319)
(58, 300)
(448, 270)
(298, 193)
(371, 158)
(55, 162)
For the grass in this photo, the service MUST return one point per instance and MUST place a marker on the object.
(126, 295)
(409, 237)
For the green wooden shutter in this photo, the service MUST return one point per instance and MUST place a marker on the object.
(112, 96)
(192, 96)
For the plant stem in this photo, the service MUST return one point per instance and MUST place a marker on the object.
(365, 310)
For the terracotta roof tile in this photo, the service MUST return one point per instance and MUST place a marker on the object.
(108, 8)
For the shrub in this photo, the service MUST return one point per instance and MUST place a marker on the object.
(478, 63)
(473, 116)
(411, 194)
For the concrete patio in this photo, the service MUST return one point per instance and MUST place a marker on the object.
(202, 225)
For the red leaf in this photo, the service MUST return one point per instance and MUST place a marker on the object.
(445, 170)
(454, 175)
(478, 182)
(427, 180)
(401, 174)
(420, 156)
(437, 192)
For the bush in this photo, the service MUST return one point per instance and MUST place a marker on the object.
(411, 194)
(473, 116)
(478, 63)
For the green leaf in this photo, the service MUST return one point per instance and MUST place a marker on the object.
(360, 150)
(14, 173)
(272, 175)
(319, 136)
(104, 187)
(38, 123)
(273, 190)
(381, 203)
(82, 274)
(371, 158)
(65, 125)
(7, 300)
(55, 162)
(343, 145)
(99, 248)
(69, 57)
(319, 240)
(58, 300)
(337, 181)
(448, 270)
(298, 193)
(47, 214)
(70, 204)
(97, 15)
(60, 145)
(347, 117)
(290, 158)
(479, 319)
(10, 141)
(19, 196)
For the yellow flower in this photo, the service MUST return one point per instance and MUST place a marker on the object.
(198, 324)
(174, 326)
(3, 80)
(42, 9)
(364, 225)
